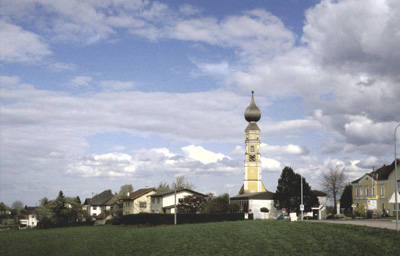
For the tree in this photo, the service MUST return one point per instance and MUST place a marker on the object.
(18, 205)
(182, 183)
(346, 200)
(44, 216)
(288, 192)
(58, 207)
(43, 201)
(125, 189)
(163, 187)
(333, 183)
(190, 204)
(219, 204)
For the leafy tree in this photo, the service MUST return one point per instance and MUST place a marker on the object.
(220, 204)
(182, 183)
(288, 192)
(190, 204)
(333, 183)
(73, 212)
(45, 216)
(346, 200)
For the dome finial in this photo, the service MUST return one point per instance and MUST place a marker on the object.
(252, 112)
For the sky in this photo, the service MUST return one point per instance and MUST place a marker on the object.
(99, 94)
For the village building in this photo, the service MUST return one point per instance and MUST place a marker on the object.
(137, 201)
(100, 203)
(375, 191)
(253, 195)
(164, 202)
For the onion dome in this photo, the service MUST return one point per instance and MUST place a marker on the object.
(252, 112)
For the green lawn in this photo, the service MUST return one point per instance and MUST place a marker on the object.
(226, 238)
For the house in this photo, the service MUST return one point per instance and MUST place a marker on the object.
(99, 203)
(253, 202)
(164, 202)
(137, 201)
(30, 220)
(376, 190)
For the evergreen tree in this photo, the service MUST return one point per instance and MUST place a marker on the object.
(346, 200)
(288, 192)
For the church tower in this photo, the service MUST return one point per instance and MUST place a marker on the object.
(252, 163)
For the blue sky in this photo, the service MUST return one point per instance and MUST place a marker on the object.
(98, 94)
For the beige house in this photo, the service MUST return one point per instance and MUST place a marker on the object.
(137, 201)
(375, 190)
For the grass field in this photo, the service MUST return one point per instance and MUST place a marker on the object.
(226, 238)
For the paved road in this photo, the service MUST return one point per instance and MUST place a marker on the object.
(389, 224)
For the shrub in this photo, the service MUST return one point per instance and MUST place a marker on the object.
(168, 219)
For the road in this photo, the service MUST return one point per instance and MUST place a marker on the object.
(389, 224)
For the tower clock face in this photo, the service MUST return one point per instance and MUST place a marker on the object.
(252, 157)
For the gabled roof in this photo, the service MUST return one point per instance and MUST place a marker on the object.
(255, 196)
(380, 174)
(172, 191)
(99, 199)
(138, 193)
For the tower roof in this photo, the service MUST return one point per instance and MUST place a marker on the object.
(252, 112)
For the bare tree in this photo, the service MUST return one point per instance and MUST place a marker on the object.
(182, 183)
(18, 205)
(333, 183)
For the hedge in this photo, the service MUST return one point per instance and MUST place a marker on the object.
(168, 219)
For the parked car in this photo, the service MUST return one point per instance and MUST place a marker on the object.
(283, 217)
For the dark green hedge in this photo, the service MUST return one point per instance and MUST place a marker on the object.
(168, 219)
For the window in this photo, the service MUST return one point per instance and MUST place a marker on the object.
(252, 148)
(382, 190)
(158, 200)
(142, 204)
(373, 190)
(366, 191)
(357, 192)
(94, 208)
(153, 200)
(361, 191)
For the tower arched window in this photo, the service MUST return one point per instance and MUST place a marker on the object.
(252, 148)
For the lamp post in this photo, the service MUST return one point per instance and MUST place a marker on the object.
(302, 205)
(396, 206)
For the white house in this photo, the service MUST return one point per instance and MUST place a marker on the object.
(253, 202)
(164, 202)
(30, 220)
(99, 203)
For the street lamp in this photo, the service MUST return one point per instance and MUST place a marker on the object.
(302, 205)
(396, 206)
